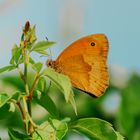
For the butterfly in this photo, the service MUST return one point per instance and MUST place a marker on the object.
(85, 63)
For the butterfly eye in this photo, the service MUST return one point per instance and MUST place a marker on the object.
(92, 44)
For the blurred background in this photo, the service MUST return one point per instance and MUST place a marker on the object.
(64, 21)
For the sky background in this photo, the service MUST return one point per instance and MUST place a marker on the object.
(65, 21)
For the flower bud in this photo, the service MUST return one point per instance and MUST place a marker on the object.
(27, 27)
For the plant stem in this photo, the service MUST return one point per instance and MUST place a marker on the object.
(28, 101)
(21, 109)
(33, 86)
(26, 121)
(26, 87)
(22, 112)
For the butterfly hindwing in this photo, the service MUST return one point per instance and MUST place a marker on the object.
(98, 75)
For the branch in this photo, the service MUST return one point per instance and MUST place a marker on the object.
(33, 86)
(22, 112)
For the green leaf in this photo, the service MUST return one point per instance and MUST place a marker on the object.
(37, 67)
(21, 60)
(12, 107)
(61, 128)
(119, 136)
(33, 37)
(43, 52)
(15, 135)
(16, 54)
(7, 68)
(46, 102)
(17, 95)
(31, 61)
(6, 106)
(61, 81)
(4, 98)
(51, 131)
(4, 112)
(72, 101)
(42, 46)
(42, 98)
(41, 85)
(96, 129)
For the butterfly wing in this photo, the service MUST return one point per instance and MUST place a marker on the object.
(86, 64)
(83, 46)
(98, 75)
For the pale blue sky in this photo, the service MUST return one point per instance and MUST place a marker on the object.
(66, 20)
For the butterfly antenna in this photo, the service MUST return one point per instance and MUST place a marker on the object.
(50, 52)
(50, 56)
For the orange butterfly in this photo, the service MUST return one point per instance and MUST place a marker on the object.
(84, 62)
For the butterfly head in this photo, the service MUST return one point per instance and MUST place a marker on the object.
(50, 63)
(53, 64)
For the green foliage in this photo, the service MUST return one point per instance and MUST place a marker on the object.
(96, 129)
(42, 85)
(15, 135)
(7, 68)
(4, 111)
(14, 81)
(7, 104)
(34, 89)
(61, 81)
(51, 130)
(41, 46)
(4, 98)
(119, 136)
(64, 85)
(12, 107)
(130, 109)
(45, 101)
(37, 67)
(16, 54)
